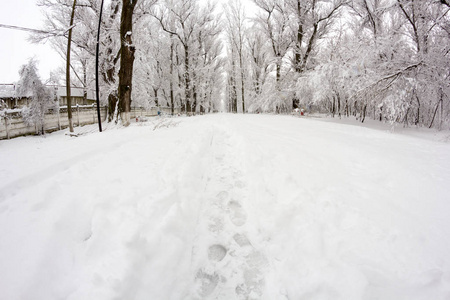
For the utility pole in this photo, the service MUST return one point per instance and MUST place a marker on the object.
(96, 70)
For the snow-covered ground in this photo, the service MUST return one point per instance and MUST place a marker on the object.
(226, 207)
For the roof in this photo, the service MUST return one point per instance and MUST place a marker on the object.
(75, 92)
(9, 91)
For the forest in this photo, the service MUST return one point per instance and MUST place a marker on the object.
(381, 59)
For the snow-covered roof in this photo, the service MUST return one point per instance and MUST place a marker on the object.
(9, 91)
(75, 92)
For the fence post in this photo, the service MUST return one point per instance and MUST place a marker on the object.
(6, 125)
(78, 115)
(59, 117)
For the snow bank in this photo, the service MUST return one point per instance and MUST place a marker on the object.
(225, 207)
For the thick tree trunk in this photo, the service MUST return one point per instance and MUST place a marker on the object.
(110, 63)
(109, 77)
(69, 97)
(112, 103)
(126, 60)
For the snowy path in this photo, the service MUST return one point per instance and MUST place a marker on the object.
(226, 207)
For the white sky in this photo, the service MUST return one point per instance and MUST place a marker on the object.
(15, 50)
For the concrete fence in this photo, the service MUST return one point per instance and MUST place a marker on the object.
(12, 124)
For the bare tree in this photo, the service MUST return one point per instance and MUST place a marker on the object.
(259, 57)
(275, 22)
(178, 18)
(313, 19)
(235, 17)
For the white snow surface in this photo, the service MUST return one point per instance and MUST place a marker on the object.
(226, 207)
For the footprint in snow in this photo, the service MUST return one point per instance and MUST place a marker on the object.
(239, 184)
(252, 287)
(222, 195)
(208, 282)
(216, 252)
(221, 198)
(216, 225)
(241, 240)
(237, 214)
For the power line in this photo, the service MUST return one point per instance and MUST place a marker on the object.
(24, 29)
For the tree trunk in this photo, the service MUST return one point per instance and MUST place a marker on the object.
(112, 103)
(278, 74)
(435, 112)
(298, 48)
(194, 99)
(187, 80)
(171, 78)
(242, 80)
(339, 106)
(363, 117)
(333, 107)
(69, 41)
(126, 60)
(242, 91)
(233, 88)
(85, 84)
(155, 91)
(346, 108)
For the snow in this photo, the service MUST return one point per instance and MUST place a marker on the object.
(226, 207)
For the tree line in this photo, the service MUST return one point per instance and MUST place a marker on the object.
(384, 59)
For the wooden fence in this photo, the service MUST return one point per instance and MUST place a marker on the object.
(12, 124)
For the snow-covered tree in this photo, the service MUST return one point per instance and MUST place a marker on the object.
(236, 31)
(195, 30)
(312, 20)
(42, 100)
(259, 62)
(274, 21)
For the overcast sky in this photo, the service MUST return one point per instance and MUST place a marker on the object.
(15, 50)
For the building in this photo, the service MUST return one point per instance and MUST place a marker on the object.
(9, 98)
(79, 96)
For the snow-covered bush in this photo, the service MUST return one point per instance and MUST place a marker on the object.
(41, 97)
(2, 105)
